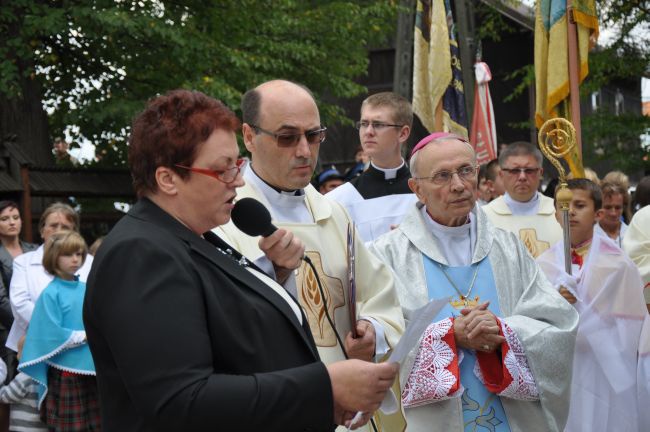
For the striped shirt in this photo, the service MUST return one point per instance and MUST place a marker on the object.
(24, 414)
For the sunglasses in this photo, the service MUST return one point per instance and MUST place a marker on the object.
(314, 136)
(516, 172)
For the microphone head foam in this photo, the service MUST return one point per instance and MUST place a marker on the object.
(252, 218)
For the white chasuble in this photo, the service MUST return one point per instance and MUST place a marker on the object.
(325, 242)
(537, 232)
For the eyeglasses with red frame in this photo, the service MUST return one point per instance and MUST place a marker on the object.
(225, 176)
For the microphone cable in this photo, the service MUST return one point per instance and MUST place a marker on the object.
(330, 321)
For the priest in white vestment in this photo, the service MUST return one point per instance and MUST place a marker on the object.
(636, 244)
(498, 357)
(282, 130)
(522, 210)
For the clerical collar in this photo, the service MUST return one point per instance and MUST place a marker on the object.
(297, 192)
(456, 244)
(283, 207)
(518, 208)
(389, 173)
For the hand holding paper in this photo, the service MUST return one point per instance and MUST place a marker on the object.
(421, 320)
(360, 386)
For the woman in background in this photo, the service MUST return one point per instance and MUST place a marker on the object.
(10, 247)
(10, 244)
(30, 278)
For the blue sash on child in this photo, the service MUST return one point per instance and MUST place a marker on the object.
(482, 410)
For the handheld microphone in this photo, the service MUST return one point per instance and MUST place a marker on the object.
(252, 218)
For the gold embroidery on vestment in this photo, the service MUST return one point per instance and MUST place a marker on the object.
(311, 300)
(529, 237)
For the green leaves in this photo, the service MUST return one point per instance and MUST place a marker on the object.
(615, 138)
(98, 61)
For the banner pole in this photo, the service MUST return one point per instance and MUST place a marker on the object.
(574, 75)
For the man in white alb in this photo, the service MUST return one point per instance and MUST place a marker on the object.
(523, 210)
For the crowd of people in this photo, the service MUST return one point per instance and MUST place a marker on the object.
(193, 321)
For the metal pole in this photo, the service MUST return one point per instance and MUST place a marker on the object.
(567, 241)
(464, 17)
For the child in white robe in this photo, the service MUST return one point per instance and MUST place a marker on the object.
(606, 289)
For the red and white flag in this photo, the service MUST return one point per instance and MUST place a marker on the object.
(483, 134)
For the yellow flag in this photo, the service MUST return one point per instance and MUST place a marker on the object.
(438, 94)
(552, 64)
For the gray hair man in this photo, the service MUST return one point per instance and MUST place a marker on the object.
(522, 210)
(500, 351)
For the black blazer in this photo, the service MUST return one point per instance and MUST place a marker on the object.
(185, 338)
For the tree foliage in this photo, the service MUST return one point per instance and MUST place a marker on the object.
(623, 54)
(615, 138)
(98, 61)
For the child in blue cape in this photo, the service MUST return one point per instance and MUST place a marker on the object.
(56, 353)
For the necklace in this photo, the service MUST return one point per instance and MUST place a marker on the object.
(229, 253)
(463, 301)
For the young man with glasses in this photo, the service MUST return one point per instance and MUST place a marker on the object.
(283, 132)
(481, 364)
(522, 210)
(378, 198)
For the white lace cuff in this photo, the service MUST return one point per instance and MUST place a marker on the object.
(431, 379)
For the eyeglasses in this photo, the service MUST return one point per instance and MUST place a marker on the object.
(377, 126)
(441, 178)
(314, 136)
(226, 176)
(516, 172)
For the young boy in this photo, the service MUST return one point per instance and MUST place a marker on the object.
(606, 289)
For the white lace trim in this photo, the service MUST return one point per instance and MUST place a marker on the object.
(71, 370)
(523, 385)
(430, 380)
(69, 343)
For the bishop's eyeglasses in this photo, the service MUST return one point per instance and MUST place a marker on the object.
(441, 178)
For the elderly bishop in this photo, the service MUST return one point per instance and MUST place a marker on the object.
(499, 354)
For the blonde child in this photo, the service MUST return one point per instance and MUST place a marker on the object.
(56, 354)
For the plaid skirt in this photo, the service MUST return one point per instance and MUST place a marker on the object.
(71, 403)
